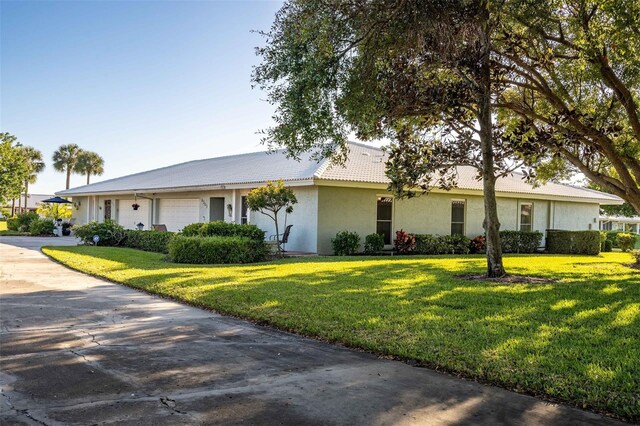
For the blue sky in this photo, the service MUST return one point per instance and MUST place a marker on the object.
(143, 83)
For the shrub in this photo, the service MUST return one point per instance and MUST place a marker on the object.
(636, 256)
(573, 242)
(12, 223)
(345, 243)
(478, 245)
(223, 229)
(22, 221)
(404, 243)
(520, 241)
(455, 244)
(607, 246)
(626, 241)
(373, 243)
(429, 244)
(155, 241)
(41, 227)
(216, 250)
(192, 230)
(110, 233)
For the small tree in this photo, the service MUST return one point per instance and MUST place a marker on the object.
(269, 200)
(13, 168)
(89, 163)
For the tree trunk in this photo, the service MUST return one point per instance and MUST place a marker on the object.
(491, 223)
(26, 194)
(88, 175)
(68, 177)
(13, 207)
(275, 219)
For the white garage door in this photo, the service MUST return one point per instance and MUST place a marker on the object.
(129, 218)
(178, 213)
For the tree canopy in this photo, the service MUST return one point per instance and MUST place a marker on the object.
(269, 200)
(65, 159)
(14, 170)
(571, 70)
(89, 163)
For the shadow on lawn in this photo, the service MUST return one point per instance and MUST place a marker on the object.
(575, 340)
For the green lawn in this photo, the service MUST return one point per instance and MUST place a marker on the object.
(577, 340)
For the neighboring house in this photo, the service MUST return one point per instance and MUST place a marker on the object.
(33, 201)
(620, 223)
(330, 199)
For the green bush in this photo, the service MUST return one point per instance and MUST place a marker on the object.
(626, 241)
(192, 230)
(455, 244)
(110, 233)
(41, 227)
(22, 221)
(573, 242)
(520, 241)
(373, 243)
(216, 250)
(12, 223)
(345, 243)
(613, 237)
(607, 246)
(155, 241)
(429, 244)
(636, 256)
(223, 229)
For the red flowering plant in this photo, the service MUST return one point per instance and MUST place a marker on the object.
(404, 243)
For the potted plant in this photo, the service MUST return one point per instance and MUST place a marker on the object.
(66, 229)
(135, 206)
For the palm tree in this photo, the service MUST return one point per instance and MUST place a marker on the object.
(35, 164)
(65, 159)
(89, 163)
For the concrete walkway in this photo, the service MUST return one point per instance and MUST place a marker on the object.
(79, 350)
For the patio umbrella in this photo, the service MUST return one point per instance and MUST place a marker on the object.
(56, 200)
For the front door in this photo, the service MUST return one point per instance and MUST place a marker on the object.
(216, 208)
(107, 209)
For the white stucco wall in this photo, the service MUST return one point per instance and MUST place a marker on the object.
(575, 216)
(303, 236)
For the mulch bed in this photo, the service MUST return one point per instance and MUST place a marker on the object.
(507, 279)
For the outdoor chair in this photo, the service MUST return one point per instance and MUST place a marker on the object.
(161, 227)
(282, 238)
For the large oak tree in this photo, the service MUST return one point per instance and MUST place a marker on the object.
(416, 72)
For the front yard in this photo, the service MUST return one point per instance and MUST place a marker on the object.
(576, 340)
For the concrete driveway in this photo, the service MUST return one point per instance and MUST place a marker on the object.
(79, 350)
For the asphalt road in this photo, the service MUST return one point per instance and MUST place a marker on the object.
(79, 350)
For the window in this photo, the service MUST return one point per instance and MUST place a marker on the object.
(383, 218)
(244, 211)
(606, 226)
(457, 217)
(526, 217)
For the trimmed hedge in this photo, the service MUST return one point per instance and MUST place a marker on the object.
(110, 233)
(216, 250)
(345, 243)
(223, 229)
(41, 227)
(155, 241)
(441, 244)
(573, 242)
(373, 243)
(520, 241)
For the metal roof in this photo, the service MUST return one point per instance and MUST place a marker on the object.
(365, 164)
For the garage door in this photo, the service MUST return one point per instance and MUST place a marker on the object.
(178, 213)
(129, 218)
